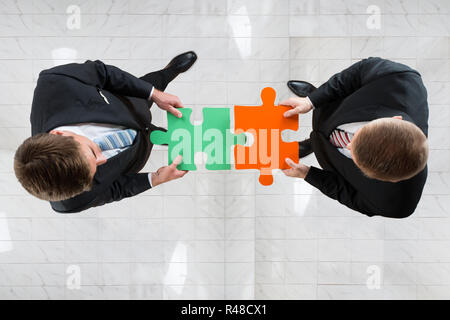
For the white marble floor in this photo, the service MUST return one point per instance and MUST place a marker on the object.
(222, 235)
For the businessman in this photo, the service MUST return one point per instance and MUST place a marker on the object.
(90, 126)
(369, 136)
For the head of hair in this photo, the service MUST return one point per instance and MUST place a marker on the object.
(390, 149)
(52, 167)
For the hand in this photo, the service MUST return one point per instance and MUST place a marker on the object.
(168, 173)
(168, 102)
(299, 105)
(297, 170)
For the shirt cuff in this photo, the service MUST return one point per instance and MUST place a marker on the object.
(150, 96)
(310, 102)
(150, 178)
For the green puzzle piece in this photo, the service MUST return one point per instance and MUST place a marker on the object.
(213, 137)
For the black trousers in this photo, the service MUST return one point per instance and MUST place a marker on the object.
(159, 79)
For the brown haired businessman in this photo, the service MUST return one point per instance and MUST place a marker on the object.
(90, 126)
(369, 136)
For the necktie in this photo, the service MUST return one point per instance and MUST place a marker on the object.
(115, 140)
(340, 138)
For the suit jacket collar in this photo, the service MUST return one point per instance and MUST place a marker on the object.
(122, 121)
(347, 115)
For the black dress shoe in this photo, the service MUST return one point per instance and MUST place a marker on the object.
(304, 148)
(301, 88)
(182, 62)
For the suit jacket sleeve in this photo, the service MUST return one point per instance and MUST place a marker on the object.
(104, 76)
(126, 186)
(343, 84)
(336, 187)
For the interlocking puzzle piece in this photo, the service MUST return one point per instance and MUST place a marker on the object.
(213, 137)
(265, 123)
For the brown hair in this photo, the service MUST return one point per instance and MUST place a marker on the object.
(390, 149)
(52, 167)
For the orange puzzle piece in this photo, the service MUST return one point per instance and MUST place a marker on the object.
(265, 123)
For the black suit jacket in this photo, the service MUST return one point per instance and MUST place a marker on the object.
(70, 94)
(370, 89)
